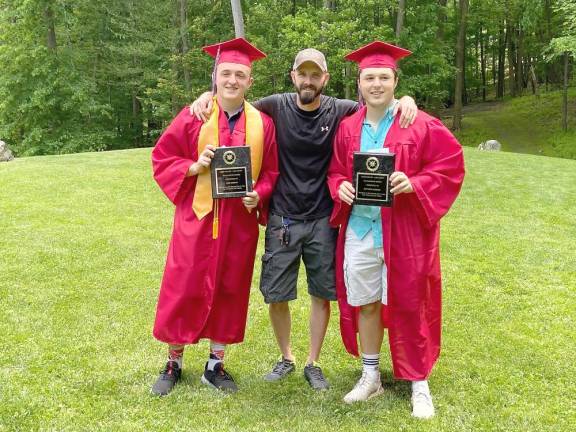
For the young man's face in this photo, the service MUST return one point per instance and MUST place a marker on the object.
(309, 81)
(377, 86)
(232, 82)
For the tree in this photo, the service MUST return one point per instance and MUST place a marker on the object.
(238, 18)
(400, 17)
(460, 71)
(565, 46)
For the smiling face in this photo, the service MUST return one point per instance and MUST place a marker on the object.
(377, 86)
(232, 82)
(309, 81)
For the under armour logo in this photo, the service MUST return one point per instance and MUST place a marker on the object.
(324, 128)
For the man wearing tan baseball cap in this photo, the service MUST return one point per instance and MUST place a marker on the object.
(298, 227)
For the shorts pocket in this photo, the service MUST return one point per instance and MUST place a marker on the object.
(266, 273)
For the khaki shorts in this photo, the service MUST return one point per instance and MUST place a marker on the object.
(364, 270)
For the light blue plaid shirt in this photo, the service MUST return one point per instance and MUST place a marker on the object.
(364, 219)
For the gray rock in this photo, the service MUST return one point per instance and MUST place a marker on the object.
(490, 145)
(5, 153)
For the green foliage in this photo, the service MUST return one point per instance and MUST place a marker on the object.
(120, 71)
(566, 42)
(561, 45)
(46, 106)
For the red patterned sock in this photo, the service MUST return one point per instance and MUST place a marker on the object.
(176, 356)
(216, 354)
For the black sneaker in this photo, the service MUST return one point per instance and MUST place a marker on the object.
(167, 379)
(315, 377)
(280, 370)
(219, 379)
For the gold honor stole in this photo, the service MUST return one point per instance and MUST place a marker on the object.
(203, 202)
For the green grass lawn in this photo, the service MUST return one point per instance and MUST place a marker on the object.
(527, 124)
(82, 246)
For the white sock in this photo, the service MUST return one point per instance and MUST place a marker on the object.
(371, 363)
(216, 354)
(420, 386)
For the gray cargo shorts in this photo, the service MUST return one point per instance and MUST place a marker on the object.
(286, 241)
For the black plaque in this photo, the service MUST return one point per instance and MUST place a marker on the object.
(371, 178)
(231, 172)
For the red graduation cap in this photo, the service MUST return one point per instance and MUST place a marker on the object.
(237, 50)
(377, 55)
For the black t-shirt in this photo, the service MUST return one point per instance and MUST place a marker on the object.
(304, 151)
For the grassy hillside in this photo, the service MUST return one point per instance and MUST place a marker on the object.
(82, 246)
(527, 124)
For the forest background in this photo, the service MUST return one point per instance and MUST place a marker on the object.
(79, 75)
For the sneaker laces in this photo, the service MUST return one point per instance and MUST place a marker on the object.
(168, 369)
(363, 381)
(219, 369)
(421, 396)
(315, 372)
(280, 367)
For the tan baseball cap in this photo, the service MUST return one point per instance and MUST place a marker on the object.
(310, 55)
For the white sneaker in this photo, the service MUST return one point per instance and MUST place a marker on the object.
(422, 406)
(367, 387)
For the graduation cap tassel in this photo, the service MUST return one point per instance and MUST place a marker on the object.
(216, 221)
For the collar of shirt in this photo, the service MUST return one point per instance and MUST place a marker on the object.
(372, 139)
(388, 116)
(233, 118)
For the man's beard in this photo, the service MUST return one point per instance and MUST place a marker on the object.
(308, 94)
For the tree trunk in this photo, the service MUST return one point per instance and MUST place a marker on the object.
(184, 42)
(51, 33)
(330, 4)
(400, 17)
(534, 81)
(565, 95)
(482, 64)
(548, 17)
(477, 72)
(376, 15)
(238, 18)
(494, 69)
(519, 58)
(460, 52)
(441, 15)
(511, 59)
(501, 59)
(174, 65)
(136, 120)
(392, 14)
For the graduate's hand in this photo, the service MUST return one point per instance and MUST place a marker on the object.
(408, 111)
(251, 200)
(400, 183)
(202, 107)
(203, 161)
(346, 192)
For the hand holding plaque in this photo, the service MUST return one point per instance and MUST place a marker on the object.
(371, 178)
(231, 172)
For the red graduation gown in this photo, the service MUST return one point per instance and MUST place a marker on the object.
(432, 158)
(206, 283)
